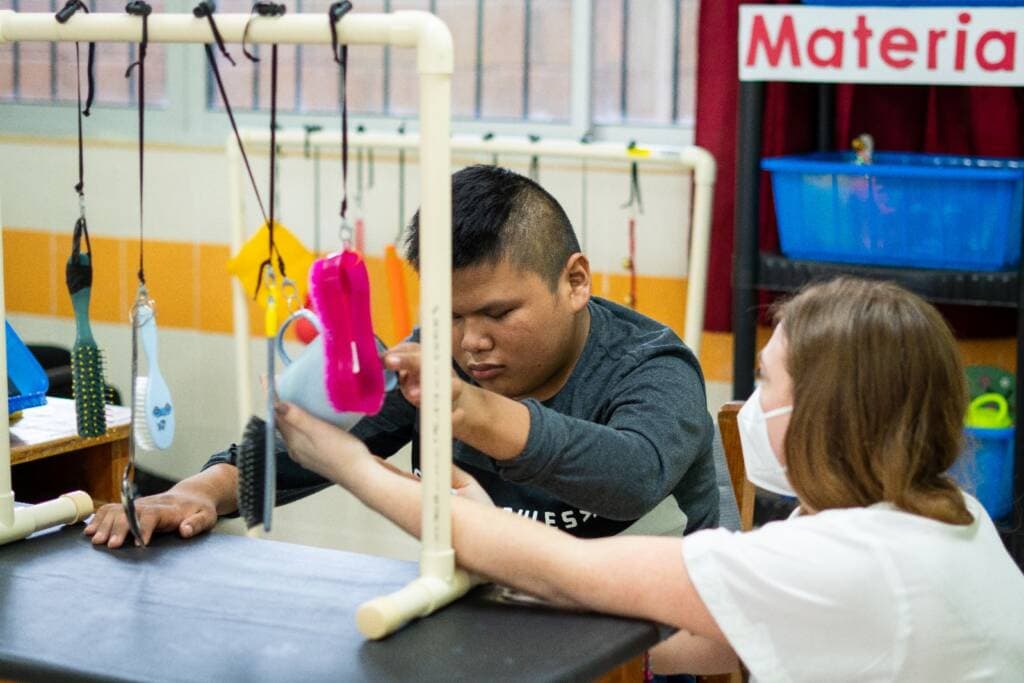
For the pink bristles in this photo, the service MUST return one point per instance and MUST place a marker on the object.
(339, 288)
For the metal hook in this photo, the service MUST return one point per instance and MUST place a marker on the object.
(534, 173)
(141, 300)
(261, 9)
(345, 232)
(290, 292)
(309, 129)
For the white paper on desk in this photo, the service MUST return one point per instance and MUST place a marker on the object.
(56, 420)
(512, 596)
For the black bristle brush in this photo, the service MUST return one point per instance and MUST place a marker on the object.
(86, 359)
(251, 463)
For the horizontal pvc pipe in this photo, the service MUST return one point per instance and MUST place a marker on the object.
(695, 159)
(689, 158)
(401, 29)
(70, 508)
(383, 616)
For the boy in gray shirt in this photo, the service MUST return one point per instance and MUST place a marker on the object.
(567, 408)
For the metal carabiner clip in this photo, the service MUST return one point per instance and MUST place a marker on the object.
(345, 232)
(290, 292)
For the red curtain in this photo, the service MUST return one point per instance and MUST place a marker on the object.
(956, 120)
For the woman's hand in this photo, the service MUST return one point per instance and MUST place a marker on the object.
(320, 446)
(465, 486)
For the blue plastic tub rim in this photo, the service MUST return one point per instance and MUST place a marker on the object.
(902, 164)
(919, 3)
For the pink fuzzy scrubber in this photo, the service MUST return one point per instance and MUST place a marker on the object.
(339, 289)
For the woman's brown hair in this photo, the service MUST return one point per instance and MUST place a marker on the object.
(879, 399)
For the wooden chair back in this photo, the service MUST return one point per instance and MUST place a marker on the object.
(744, 490)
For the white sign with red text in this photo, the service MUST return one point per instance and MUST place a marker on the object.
(948, 45)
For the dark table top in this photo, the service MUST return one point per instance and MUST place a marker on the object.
(225, 608)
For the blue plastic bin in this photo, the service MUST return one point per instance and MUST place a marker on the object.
(985, 470)
(915, 210)
(919, 3)
(27, 382)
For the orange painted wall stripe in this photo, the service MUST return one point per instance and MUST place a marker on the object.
(192, 289)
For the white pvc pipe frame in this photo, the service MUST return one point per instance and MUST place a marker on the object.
(695, 160)
(440, 581)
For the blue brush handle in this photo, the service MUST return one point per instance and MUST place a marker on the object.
(147, 334)
(83, 331)
(159, 407)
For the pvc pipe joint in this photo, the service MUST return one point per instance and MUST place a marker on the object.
(383, 616)
(69, 508)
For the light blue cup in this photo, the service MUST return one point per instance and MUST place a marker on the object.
(302, 381)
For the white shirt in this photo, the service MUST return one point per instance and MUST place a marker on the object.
(865, 594)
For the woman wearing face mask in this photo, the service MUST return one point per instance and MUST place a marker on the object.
(887, 573)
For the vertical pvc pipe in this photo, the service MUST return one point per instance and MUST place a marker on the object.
(239, 303)
(704, 172)
(437, 558)
(6, 494)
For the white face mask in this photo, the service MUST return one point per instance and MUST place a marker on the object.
(763, 468)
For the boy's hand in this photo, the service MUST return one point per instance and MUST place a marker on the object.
(405, 360)
(489, 422)
(187, 513)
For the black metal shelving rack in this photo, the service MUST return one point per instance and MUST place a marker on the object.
(754, 270)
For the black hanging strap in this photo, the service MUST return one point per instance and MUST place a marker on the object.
(634, 188)
(260, 9)
(273, 144)
(634, 185)
(335, 13)
(206, 8)
(62, 17)
(138, 8)
(79, 277)
(271, 247)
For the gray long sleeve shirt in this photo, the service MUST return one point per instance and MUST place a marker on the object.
(629, 428)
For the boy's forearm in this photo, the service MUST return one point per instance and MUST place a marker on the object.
(491, 423)
(218, 483)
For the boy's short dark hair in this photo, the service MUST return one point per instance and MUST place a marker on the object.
(497, 214)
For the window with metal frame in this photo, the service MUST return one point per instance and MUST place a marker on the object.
(44, 73)
(620, 68)
(513, 63)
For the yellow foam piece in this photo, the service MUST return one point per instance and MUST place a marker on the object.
(245, 265)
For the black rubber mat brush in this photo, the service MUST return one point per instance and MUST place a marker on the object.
(251, 463)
